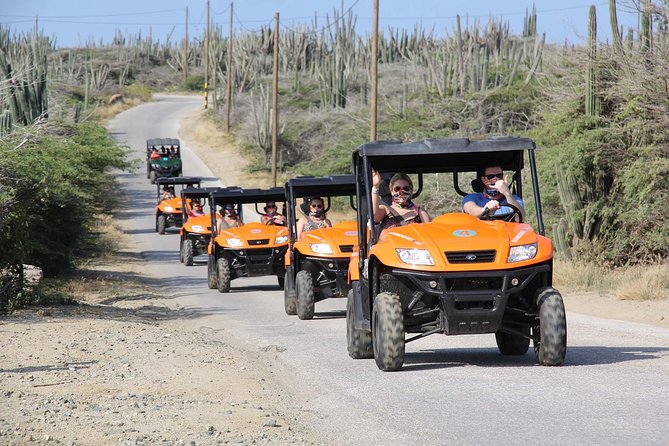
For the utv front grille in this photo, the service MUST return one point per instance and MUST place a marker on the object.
(264, 241)
(346, 248)
(487, 256)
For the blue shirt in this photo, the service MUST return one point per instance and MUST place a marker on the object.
(480, 200)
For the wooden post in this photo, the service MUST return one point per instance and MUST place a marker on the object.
(185, 62)
(206, 62)
(275, 98)
(375, 70)
(228, 96)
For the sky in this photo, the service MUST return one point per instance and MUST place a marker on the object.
(74, 22)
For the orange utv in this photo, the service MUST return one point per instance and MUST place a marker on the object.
(196, 229)
(317, 264)
(458, 274)
(251, 250)
(168, 210)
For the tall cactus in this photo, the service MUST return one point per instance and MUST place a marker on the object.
(646, 26)
(590, 88)
(615, 30)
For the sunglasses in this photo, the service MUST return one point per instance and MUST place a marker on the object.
(317, 206)
(404, 188)
(495, 175)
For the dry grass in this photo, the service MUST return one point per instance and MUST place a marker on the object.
(637, 283)
(105, 112)
(644, 283)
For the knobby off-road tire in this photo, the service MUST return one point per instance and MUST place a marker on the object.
(223, 275)
(212, 282)
(181, 251)
(550, 344)
(512, 344)
(388, 332)
(304, 288)
(162, 224)
(289, 298)
(359, 342)
(187, 252)
(148, 170)
(152, 177)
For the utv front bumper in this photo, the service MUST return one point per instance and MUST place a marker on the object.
(465, 302)
(255, 262)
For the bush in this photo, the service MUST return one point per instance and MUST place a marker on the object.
(50, 188)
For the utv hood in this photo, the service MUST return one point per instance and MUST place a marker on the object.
(461, 242)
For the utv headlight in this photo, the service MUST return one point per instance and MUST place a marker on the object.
(234, 242)
(415, 256)
(321, 248)
(522, 252)
(281, 239)
(198, 228)
(169, 209)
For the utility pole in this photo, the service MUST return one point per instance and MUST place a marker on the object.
(206, 62)
(228, 98)
(185, 62)
(36, 25)
(375, 70)
(275, 98)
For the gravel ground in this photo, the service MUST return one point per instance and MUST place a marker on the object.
(123, 369)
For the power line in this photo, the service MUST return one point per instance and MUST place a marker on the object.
(91, 15)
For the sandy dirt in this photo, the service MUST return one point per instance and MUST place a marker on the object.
(122, 368)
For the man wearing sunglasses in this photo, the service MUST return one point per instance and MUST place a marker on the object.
(495, 193)
(272, 216)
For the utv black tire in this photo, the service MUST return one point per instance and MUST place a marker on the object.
(223, 275)
(212, 281)
(187, 250)
(152, 177)
(513, 344)
(162, 223)
(181, 251)
(304, 289)
(388, 332)
(359, 342)
(148, 170)
(289, 298)
(281, 281)
(550, 337)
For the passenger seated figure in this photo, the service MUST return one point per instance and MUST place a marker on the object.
(154, 154)
(495, 194)
(229, 218)
(168, 193)
(272, 216)
(316, 218)
(402, 211)
(196, 209)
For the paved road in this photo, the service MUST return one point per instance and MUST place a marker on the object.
(612, 389)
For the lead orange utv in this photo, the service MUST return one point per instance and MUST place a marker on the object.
(458, 274)
(317, 264)
(168, 210)
(251, 250)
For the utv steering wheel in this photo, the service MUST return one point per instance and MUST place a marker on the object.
(505, 217)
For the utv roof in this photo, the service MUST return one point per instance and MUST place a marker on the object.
(331, 186)
(241, 196)
(442, 155)
(162, 142)
(179, 180)
(201, 192)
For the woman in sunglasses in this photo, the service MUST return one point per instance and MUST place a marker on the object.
(272, 216)
(495, 193)
(316, 218)
(402, 211)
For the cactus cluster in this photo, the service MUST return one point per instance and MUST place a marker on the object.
(23, 79)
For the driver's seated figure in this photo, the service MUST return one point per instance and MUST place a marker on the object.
(495, 193)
